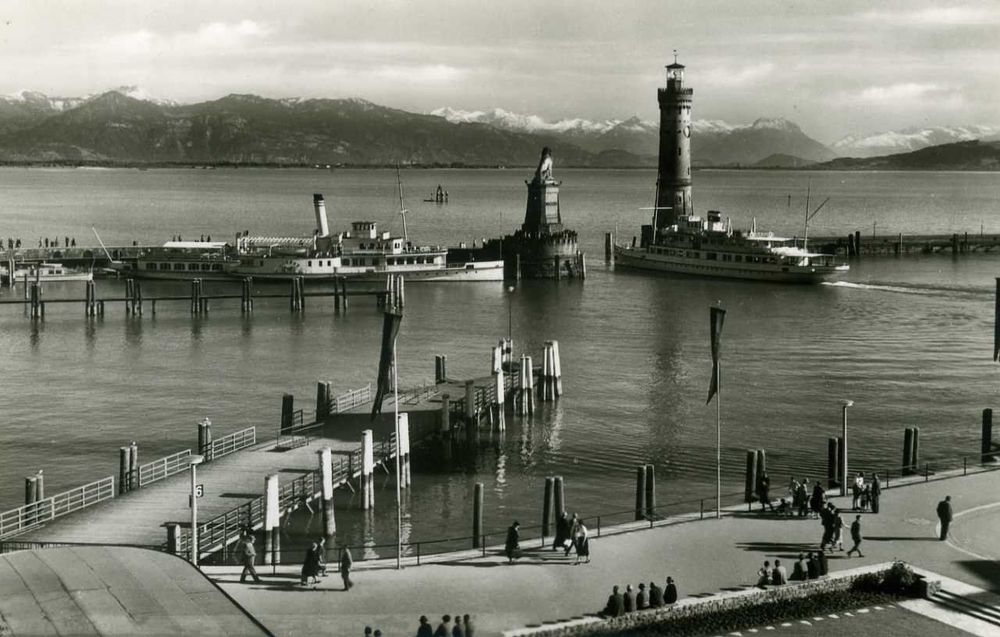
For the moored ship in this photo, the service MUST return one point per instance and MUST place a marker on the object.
(180, 260)
(363, 253)
(681, 242)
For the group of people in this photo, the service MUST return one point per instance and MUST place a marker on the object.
(811, 566)
(462, 627)
(13, 244)
(833, 530)
(313, 566)
(631, 600)
(865, 496)
(572, 535)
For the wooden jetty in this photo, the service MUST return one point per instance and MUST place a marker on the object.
(199, 301)
(856, 244)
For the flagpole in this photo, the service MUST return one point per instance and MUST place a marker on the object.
(718, 441)
(395, 409)
(399, 511)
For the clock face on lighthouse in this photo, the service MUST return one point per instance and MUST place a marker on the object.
(687, 131)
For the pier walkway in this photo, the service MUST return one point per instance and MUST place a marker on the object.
(704, 557)
(233, 485)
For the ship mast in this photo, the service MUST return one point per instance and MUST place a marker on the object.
(402, 210)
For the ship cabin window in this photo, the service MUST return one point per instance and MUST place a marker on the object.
(711, 256)
(346, 262)
(727, 257)
(309, 263)
(329, 263)
(178, 266)
(738, 258)
(205, 267)
(216, 267)
(192, 266)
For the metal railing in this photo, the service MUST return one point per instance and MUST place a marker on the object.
(351, 399)
(25, 517)
(164, 467)
(13, 546)
(232, 443)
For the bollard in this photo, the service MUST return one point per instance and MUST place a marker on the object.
(123, 470)
(650, 491)
(477, 516)
(559, 496)
(367, 470)
(640, 492)
(547, 508)
(750, 480)
(287, 412)
(987, 441)
(272, 520)
(907, 451)
(326, 472)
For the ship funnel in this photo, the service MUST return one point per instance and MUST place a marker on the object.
(321, 223)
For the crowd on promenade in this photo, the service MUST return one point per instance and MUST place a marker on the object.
(15, 243)
(640, 598)
(571, 535)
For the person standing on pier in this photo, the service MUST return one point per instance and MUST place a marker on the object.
(876, 491)
(582, 543)
(856, 536)
(246, 552)
(944, 514)
(562, 532)
(346, 562)
(670, 592)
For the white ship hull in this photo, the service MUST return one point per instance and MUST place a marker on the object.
(777, 273)
(285, 269)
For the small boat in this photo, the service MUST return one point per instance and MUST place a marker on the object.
(46, 272)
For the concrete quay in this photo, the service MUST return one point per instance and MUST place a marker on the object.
(704, 557)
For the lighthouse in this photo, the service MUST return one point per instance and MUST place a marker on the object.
(673, 175)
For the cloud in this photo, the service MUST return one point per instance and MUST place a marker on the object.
(894, 93)
(212, 37)
(729, 77)
(934, 17)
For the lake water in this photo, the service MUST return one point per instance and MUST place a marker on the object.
(908, 340)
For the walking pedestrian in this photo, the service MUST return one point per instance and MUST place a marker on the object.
(856, 536)
(574, 529)
(513, 545)
(458, 630)
(944, 514)
(816, 500)
(826, 519)
(838, 531)
(246, 553)
(803, 498)
(310, 565)
(764, 492)
(346, 562)
(582, 543)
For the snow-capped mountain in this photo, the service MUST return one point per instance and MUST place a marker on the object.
(910, 139)
(42, 102)
(715, 142)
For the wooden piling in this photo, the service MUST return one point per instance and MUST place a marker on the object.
(609, 252)
(39, 486)
(559, 495)
(133, 466)
(832, 448)
(986, 445)
(842, 478)
(915, 457)
(547, 507)
(750, 477)
(761, 466)
(123, 470)
(857, 243)
(640, 492)
(899, 245)
(202, 437)
(556, 370)
(343, 289)
(326, 473)
(445, 413)
(650, 491)
(323, 398)
(477, 516)
(272, 520)
(555, 266)
(517, 266)
(367, 470)
(529, 395)
(954, 243)
(470, 400)
(907, 451)
(173, 537)
(287, 412)
(30, 489)
(403, 449)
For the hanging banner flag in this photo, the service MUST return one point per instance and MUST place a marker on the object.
(717, 316)
(390, 328)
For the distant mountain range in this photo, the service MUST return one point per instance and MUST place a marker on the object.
(128, 126)
(968, 156)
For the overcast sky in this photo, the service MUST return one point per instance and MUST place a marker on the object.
(834, 67)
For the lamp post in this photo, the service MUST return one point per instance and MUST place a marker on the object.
(843, 458)
(195, 461)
